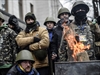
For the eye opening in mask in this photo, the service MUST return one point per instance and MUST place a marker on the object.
(80, 10)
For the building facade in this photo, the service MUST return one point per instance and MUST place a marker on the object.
(41, 9)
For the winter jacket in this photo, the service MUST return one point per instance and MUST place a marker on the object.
(23, 39)
(95, 29)
(8, 47)
(56, 41)
(15, 70)
(84, 31)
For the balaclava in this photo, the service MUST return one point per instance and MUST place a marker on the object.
(80, 17)
(79, 10)
(13, 21)
(32, 25)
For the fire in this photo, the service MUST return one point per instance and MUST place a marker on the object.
(73, 43)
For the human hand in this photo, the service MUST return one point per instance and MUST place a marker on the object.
(54, 55)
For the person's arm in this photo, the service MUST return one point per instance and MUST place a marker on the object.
(22, 40)
(43, 43)
(54, 47)
(13, 44)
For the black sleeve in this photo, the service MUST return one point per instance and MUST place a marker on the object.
(54, 43)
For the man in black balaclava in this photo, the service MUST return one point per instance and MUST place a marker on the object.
(81, 28)
(13, 24)
(79, 10)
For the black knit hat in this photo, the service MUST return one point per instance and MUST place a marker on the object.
(30, 15)
(13, 20)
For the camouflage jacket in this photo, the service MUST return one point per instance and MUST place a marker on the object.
(85, 35)
(7, 45)
(95, 29)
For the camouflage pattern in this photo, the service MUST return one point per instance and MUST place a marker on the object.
(7, 46)
(84, 31)
(96, 34)
(63, 51)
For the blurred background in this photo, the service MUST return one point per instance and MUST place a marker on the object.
(43, 8)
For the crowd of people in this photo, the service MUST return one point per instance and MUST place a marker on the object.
(35, 50)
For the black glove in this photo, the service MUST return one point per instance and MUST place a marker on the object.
(36, 40)
(27, 47)
(27, 30)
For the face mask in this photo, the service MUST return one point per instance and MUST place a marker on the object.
(29, 24)
(30, 27)
(80, 17)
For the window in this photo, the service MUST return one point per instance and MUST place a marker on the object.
(31, 7)
(20, 9)
(4, 5)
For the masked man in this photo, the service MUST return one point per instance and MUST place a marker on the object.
(13, 24)
(81, 27)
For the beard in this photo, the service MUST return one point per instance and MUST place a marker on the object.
(28, 69)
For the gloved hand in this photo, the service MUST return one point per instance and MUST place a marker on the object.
(36, 40)
(26, 47)
(27, 30)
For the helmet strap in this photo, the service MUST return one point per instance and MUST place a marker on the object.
(21, 68)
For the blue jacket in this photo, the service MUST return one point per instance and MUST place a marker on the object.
(15, 70)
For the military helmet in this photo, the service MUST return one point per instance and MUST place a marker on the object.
(77, 5)
(50, 19)
(40, 54)
(24, 55)
(30, 15)
(1, 16)
(63, 10)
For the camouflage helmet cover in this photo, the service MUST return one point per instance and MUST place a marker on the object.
(31, 15)
(50, 19)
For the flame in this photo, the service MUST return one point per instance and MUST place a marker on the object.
(74, 45)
